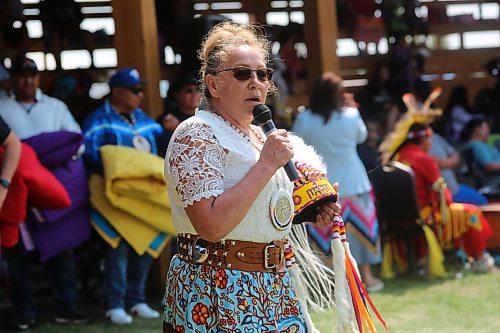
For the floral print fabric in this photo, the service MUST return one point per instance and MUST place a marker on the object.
(205, 299)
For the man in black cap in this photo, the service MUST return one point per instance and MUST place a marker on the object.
(29, 112)
(183, 98)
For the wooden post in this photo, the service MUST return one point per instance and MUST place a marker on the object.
(257, 10)
(136, 42)
(321, 33)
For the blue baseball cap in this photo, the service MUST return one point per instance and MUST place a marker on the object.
(126, 77)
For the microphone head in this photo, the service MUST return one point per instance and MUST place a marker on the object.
(261, 114)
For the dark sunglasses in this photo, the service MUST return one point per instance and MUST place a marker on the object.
(244, 73)
(190, 91)
(135, 90)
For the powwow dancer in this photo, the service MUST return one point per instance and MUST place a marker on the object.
(447, 225)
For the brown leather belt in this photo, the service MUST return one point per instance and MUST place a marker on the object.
(232, 254)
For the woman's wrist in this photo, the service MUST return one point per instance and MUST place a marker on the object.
(266, 168)
(4, 183)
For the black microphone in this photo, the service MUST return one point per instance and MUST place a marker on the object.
(262, 117)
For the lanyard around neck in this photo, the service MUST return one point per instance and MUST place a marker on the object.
(25, 107)
(130, 122)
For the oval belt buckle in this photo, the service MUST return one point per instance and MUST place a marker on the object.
(199, 250)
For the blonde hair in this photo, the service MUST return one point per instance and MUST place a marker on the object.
(224, 38)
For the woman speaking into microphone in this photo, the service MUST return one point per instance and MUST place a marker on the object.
(232, 204)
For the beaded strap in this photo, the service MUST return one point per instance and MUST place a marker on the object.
(338, 228)
(307, 173)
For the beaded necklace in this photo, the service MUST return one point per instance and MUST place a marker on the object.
(139, 142)
(130, 122)
(249, 139)
(244, 135)
(281, 204)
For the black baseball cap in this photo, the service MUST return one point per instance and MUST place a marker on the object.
(183, 79)
(23, 65)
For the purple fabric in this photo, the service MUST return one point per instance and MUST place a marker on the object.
(56, 148)
(25, 236)
(72, 176)
(55, 231)
(54, 238)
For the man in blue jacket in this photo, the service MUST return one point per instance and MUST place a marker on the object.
(120, 121)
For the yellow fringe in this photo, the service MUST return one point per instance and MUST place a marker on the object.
(436, 257)
(386, 271)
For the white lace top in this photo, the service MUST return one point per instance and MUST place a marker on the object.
(207, 156)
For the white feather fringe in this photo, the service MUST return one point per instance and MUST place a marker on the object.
(353, 261)
(345, 310)
(317, 279)
(305, 153)
(301, 295)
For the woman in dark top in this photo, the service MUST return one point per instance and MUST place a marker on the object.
(183, 99)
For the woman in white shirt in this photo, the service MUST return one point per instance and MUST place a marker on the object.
(235, 269)
(334, 131)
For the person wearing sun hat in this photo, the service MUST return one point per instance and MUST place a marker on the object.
(120, 121)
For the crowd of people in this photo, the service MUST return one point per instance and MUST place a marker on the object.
(203, 174)
(30, 113)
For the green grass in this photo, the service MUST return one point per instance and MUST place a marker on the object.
(408, 305)
(100, 325)
(470, 304)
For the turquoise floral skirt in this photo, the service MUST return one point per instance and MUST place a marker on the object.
(206, 299)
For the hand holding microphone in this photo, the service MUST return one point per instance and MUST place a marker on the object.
(313, 196)
(278, 144)
(277, 150)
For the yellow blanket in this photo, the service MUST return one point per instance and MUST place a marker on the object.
(133, 198)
